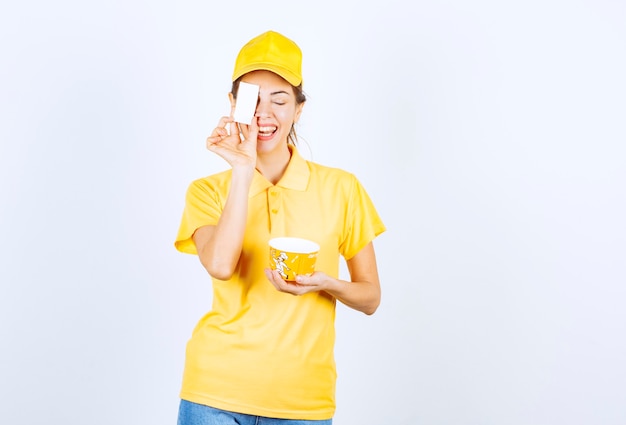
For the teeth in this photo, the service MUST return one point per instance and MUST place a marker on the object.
(266, 129)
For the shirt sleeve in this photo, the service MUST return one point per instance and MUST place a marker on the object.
(363, 222)
(202, 208)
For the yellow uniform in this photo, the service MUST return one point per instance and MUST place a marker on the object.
(260, 351)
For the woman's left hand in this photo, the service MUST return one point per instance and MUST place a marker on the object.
(318, 281)
(361, 293)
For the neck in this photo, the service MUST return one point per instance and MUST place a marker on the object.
(273, 165)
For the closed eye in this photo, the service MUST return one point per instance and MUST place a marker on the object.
(279, 97)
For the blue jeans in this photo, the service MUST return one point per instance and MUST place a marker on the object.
(197, 414)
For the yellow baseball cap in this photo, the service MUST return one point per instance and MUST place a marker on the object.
(274, 52)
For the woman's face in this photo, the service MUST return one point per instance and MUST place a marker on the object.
(276, 110)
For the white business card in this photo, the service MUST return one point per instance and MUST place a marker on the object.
(245, 105)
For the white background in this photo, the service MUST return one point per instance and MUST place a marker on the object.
(491, 136)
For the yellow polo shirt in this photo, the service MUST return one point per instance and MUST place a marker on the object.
(259, 351)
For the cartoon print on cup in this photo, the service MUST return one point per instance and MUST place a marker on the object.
(279, 259)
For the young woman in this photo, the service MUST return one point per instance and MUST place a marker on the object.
(264, 352)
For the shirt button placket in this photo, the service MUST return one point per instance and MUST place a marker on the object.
(276, 215)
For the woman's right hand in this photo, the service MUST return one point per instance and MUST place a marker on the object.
(229, 145)
(219, 246)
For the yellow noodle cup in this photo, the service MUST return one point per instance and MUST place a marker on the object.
(293, 256)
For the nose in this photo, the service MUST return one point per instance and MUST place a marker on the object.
(262, 109)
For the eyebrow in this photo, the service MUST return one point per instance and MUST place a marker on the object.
(279, 92)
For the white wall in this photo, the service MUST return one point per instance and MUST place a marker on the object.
(490, 135)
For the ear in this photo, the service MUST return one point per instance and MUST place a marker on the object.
(298, 112)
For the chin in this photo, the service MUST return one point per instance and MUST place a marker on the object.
(268, 146)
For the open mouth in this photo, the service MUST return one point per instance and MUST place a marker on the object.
(267, 131)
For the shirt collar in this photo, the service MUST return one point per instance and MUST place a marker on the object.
(296, 175)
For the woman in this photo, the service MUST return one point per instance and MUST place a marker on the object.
(261, 353)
